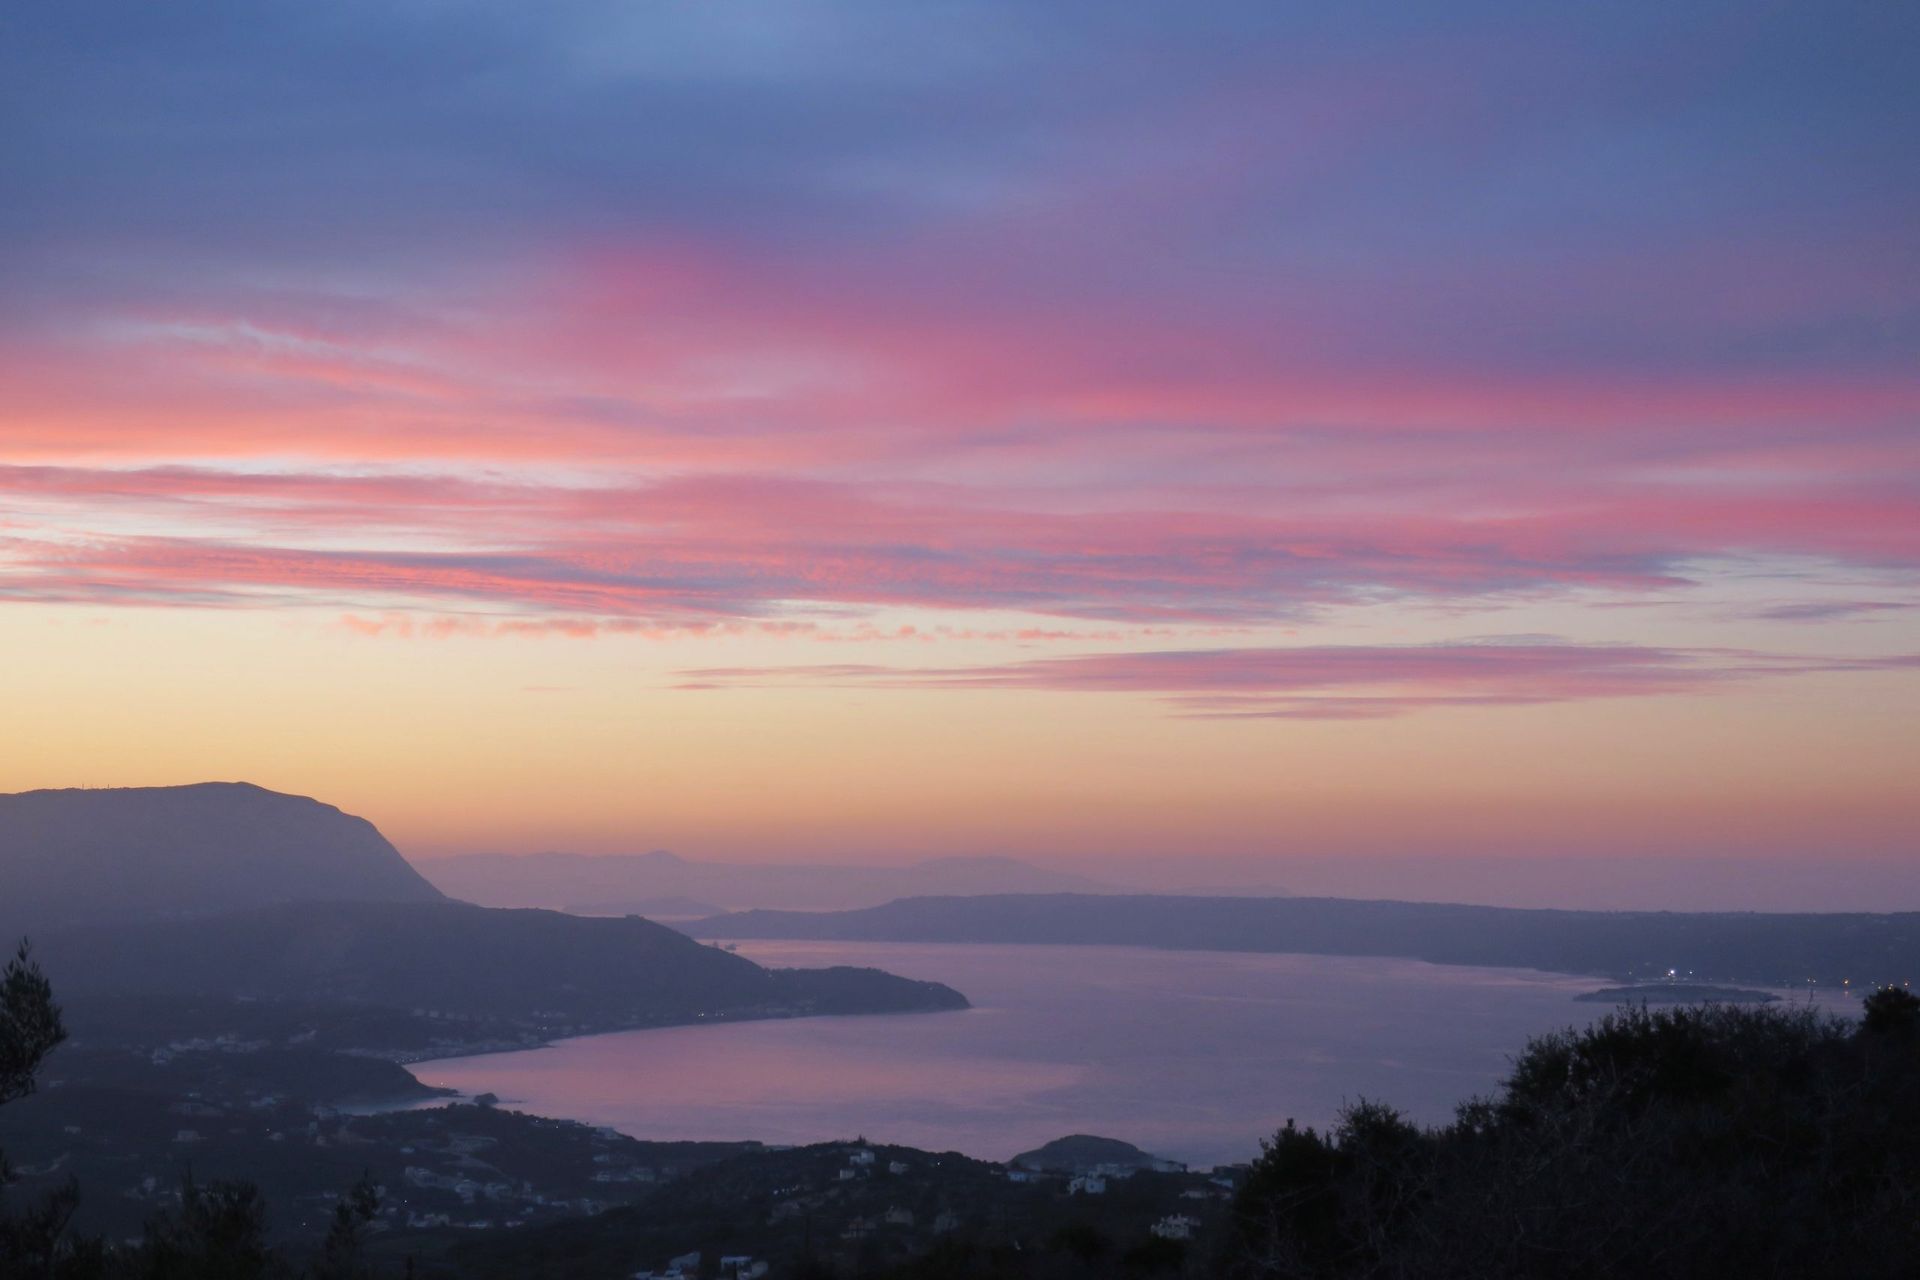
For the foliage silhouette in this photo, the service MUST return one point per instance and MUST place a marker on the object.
(217, 1232)
(1692, 1142)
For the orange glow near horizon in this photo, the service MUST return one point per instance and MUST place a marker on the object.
(1309, 444)
(483, 743)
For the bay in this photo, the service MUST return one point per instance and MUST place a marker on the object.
(1194, 1056)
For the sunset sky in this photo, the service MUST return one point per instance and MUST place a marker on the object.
(871, 431)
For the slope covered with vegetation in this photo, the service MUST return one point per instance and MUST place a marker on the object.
(1710, 1141)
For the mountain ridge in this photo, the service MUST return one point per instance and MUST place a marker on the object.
(260, 902)
(1775, 949)
(455, 960)
(76, 855)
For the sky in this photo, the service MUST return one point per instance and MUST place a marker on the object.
(1221, 432)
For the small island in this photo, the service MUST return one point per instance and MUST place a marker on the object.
(1084, 1153)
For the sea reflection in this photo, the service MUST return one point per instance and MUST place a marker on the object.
(1192, 1055)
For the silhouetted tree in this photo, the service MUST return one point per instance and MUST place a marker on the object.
(30, 1029)
(215, 1233)
(1678, 1143)
(30, 1024)
(1892, 1011)
(218, 1232)
(1086, 1243)
(1154, 1257)
(341, 1254)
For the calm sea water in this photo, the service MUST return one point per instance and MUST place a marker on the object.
(1192, 1055)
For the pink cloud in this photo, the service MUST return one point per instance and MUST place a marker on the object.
(673, 350)
(1336, 682)
(715, 547)
(670, 431)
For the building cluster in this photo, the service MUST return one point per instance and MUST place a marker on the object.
(1175, 1226)
(733, 1266)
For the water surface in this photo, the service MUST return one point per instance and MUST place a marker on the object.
(1193, 1055)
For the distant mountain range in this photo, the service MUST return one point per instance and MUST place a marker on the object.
(1718, 946)
(74, 856)
(602, 884)
(651, 908)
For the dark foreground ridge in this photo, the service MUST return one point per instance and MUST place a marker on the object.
(1681, 1144)
(1778, 950)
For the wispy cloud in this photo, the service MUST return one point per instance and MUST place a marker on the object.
(1147, 337)
(1336, 682)
(679, 549)
(1828, 610)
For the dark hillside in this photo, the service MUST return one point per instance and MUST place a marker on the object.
(544, 968)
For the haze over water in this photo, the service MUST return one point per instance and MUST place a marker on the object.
(1192, 1055)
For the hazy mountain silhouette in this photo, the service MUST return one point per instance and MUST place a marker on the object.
(1722, 946)
(229, 891)
(78, 855)
(651, 908)
(605, 883)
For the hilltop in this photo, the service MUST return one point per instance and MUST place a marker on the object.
(255, 909)
(1078, 1152)
(75, 856)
